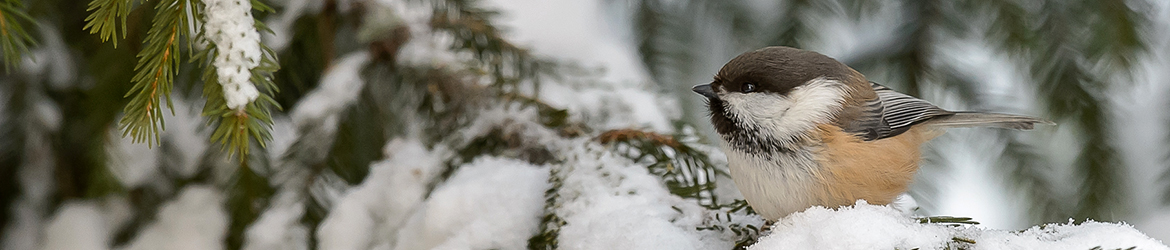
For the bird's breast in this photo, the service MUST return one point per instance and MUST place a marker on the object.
(775, 185)
(835, 169)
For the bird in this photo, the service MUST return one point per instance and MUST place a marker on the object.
(801, 129)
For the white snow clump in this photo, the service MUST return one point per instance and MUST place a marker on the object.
(230, 26)
(865, 226)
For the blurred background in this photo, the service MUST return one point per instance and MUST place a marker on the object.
(355, 76)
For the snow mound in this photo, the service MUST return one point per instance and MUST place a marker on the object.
(78, 226)
(195, 220)
(372, 213)
(611, 202)
(1070, 236)
(278, 228)
(865, 226)
(491, 203)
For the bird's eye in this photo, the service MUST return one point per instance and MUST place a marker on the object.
(747, 87)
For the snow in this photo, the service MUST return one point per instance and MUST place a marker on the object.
(79, 226)
(279, 227)
(50, 60)
(372, 213)
(905, 204)
(616, 91)
(195, 220)
(35, 178)
(575, 30)
(607, 201)
(425, 47)
(187, 137)
(229, 25)
(865, 226)
(314, 120)
(491, 203)
(614, 232)
(133, 164)
(137, 164)
(1157, 225)
(862, 227)
(1141, 112)
(1069, 236)
(339, 88)
(612, 203)
(614, 106)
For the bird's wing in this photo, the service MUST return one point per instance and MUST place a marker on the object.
(891, 114)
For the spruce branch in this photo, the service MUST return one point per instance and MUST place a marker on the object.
(1071, 86)
(248, 194)
(236, 129)
(507, 63)
(686, 171)
(106, 16)
(158, 63)
(1117, 32)
(746, 231)
(792, 27)
(14, 39)
(948, 220)
(550, 221)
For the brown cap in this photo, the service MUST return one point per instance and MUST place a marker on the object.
(779, 69)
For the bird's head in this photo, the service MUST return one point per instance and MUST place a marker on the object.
(776, 94)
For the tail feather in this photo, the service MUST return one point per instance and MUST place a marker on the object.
(976, 119)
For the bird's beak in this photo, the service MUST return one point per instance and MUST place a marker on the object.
(705, 90)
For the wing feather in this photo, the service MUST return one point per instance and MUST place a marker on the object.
(891, 114)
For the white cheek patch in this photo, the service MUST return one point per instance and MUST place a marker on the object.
(781, 117)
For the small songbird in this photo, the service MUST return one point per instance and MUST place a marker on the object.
(801, 129)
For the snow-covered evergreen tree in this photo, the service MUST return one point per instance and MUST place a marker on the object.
(483, 124)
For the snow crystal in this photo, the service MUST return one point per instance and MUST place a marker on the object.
(77, 226)
(491, 203)
(195, 220)
(229, 25)
(865, 226)
(372, 213)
